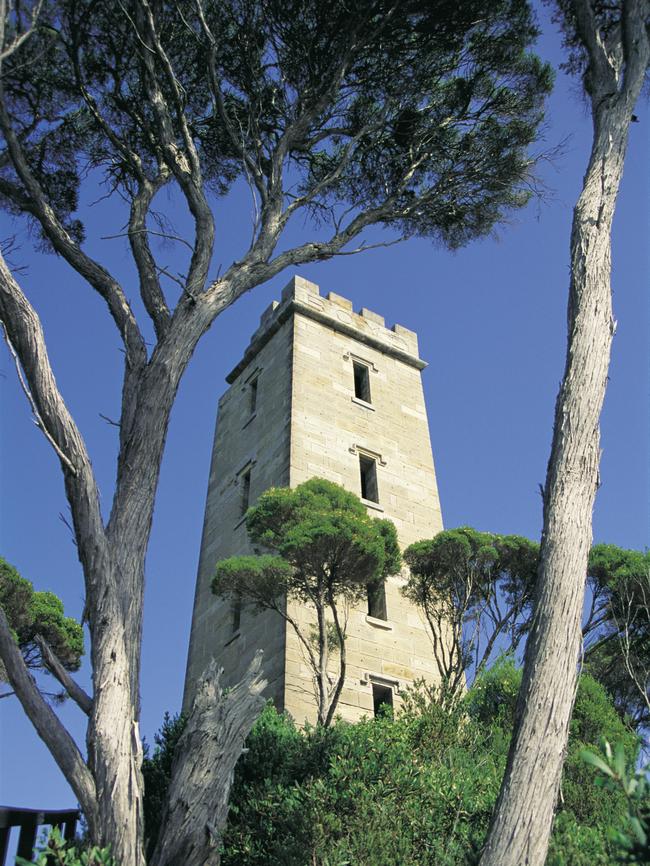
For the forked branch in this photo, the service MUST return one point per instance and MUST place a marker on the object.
(48, 725)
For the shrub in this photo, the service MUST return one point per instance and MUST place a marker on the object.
(413, 790)
(57, 852)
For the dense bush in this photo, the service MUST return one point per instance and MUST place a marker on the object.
(411, 791)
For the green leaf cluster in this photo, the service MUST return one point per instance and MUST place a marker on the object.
(58, 852)
(31, 613)
(417, 789)
(481, 586)
(618, 773)
(476, 587)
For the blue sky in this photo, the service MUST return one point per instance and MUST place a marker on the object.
(491, 321)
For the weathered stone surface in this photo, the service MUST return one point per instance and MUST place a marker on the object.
(307, 421)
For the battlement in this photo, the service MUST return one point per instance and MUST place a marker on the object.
(303, 297)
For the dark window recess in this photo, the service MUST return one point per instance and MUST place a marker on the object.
(368, 468)
(377, 599)
(245, 482)
(235, 615)
(252, 392)
(382, 696)
(361, 382)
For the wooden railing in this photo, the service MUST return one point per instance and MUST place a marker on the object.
(29, 820)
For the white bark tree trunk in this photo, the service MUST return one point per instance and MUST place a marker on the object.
(522, 822)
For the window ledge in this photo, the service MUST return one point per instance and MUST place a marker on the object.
(232, 638)
(363, 403)
(379, 623)
(371, 504)
(246, 423)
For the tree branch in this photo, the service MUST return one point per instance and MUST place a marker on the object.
(60, 239)
(600, 69)
(54, 666)
(25, 333)
(37, 417)
(252, 168)
(48, 725)
(636, 48)
(186, 168)
(150, 289)
(8, 50)
(204, 765)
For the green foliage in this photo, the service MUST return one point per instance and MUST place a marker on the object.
(493, 697)
(632, 839)
(415, 790)
(263, 580)
(425, 116)
(618, 629)
(319, 526)
(474, 586)
(58, 852)
(480, 585)
(32, 613)
(157, 773)
(326, 544)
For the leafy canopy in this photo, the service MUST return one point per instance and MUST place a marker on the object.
(419, 113)
(617, 632)
(472, 587)
(32, 614)
(326, 546)
(479, 586)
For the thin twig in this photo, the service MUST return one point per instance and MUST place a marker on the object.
(109, 420)
(150, 232)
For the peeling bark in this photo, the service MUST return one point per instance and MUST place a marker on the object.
(203, 769)
(521, 825)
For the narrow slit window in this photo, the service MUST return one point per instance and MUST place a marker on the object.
(361, 382)
(252, 396)
(382, 696)
(368, 470)
(245, 482)
(235, 615)
(377, 599)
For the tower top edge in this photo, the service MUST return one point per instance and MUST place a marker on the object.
(304, 297)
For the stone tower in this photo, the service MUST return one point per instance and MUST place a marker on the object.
(321, 391)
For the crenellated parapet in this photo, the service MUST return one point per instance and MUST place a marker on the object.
(302, 296)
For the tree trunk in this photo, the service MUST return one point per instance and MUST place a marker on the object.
(114, 746)
(522, 821)
(203, 769)
(323, 684)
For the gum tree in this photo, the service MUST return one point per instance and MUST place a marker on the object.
(409, 115)
(473, 589)
(327, 551)
(608, 44)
